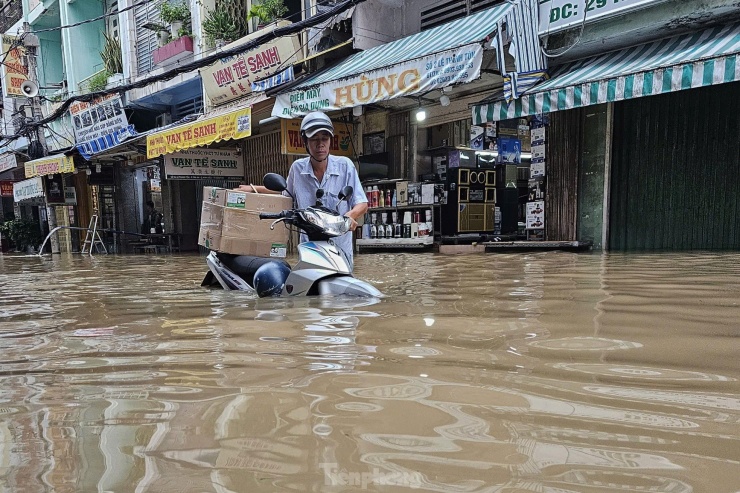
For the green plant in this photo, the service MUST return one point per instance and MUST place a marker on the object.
(22, 232)
(99, 81)
(267, 11)
(183, 31)
(111, 55)
(218, 24)
(174, 12)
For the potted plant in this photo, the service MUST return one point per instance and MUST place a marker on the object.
(24, 234)
(174, 14)
(98, 81)
(268, 11)
(112, 59)
(219, 28)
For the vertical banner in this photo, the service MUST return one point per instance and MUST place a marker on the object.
(13, 71)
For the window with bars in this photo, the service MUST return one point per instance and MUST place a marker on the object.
(146, 39)
(449, 10)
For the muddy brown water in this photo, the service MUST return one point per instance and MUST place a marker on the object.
(548, 372)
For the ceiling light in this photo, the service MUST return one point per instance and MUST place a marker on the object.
(444, 100)
(357, 110)
(421, 115)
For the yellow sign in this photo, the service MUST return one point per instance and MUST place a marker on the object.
(292, 143)
(234, 125)
(232, 77)
(50, 165)
(14, 71)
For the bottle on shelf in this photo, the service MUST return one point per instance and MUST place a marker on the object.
(381, 228)
(373, 227)
(389, 226)
(381, 200)
(393, 198)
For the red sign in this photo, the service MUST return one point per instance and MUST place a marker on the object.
(6, 188)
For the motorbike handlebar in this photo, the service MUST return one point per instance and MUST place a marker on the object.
(272, 215)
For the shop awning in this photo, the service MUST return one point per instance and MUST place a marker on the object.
(223, 123)
(448, 54)
(687, 61)
(49, 165)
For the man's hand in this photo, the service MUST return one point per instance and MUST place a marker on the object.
(352, 223)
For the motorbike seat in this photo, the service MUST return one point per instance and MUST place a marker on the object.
(245, 266)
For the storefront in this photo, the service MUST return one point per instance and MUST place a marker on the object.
(197, 154)
(52, 180)
(647, 174)
(409, 151)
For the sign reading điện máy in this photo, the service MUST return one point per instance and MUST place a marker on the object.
(435, 71)
(196, 164)
(231, 77)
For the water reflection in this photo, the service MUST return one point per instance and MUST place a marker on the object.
(500, 373)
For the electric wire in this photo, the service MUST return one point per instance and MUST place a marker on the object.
(192, 66)
(543, 49)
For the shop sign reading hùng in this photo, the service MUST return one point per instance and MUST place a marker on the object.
(232, 77)
(435, 71)
(197, 164)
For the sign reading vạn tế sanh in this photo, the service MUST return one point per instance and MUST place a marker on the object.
(197, 164)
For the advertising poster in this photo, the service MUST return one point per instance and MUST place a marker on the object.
(476, 137)
(536, 215)
(98, 118)
(7, 161)
(509, 150)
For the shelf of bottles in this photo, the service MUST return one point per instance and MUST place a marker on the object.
(390, 225)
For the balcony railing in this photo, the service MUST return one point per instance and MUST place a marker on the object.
(10, 13)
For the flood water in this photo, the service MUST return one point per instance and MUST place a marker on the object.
(548, 372)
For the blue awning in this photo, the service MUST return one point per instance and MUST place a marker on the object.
(687, 61)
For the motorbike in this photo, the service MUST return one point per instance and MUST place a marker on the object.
(322, 268)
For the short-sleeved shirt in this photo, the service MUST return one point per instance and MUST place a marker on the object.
(340, 172)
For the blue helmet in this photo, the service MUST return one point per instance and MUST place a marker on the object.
(270, 278)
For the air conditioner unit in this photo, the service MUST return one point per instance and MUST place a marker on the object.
(163, 119)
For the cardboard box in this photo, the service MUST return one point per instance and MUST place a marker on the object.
(242, 223)
(211, 216)
(243, 246)
(230, 223)
(210, 239)
(215, 195)
(402, 193)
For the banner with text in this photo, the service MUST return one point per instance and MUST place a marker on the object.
(197, 164)
(51, 165)
(6, 188)
(100, 117)
(232, 77)
(234, 125)
(14, 71)
(292, 142)
(28, 189)
(556, 15)
(7, 161)
(436, 71)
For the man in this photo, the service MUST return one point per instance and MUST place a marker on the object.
(321, 170)
(152, 220)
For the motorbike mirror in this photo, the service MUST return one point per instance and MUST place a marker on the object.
(346, 192)
(319, 193)
(275, 182)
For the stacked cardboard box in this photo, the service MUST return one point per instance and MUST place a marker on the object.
(230, 223)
